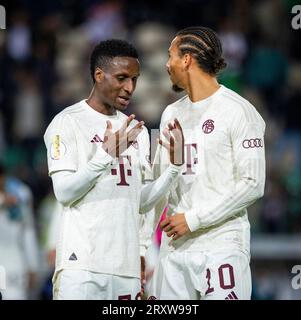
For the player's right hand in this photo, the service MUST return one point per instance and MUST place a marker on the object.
(115, 143)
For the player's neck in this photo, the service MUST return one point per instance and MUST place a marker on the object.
(94, 101)
(201, 87)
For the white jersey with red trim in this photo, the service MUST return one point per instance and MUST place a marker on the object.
(100, 231)
(225, 170)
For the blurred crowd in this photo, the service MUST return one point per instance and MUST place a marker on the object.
(44, 67)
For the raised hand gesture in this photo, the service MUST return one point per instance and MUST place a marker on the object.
(115, 143)
(174, 135)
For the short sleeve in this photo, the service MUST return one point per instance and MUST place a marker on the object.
(61, 145)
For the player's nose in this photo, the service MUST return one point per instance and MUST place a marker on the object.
(167, 67)
(129, 87)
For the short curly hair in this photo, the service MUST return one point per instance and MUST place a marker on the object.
(106, 50)
(204, 45)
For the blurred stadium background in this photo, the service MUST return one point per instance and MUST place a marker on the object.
(44, 67)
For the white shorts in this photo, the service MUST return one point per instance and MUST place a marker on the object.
(210, 275)
(87, 285)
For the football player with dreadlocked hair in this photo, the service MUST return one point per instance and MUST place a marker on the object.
(205, 249)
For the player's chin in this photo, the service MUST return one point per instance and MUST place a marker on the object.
(121, 104)
(176, 88)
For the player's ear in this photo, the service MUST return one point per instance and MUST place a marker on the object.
(187, 59)
(98, 75)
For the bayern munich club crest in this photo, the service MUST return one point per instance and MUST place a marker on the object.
(208, 126)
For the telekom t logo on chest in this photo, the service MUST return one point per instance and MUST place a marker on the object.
(191, 149)
(123, 161)
(191, 157)
(123, 172)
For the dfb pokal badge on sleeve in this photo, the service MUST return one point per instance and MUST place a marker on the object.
(57, 148)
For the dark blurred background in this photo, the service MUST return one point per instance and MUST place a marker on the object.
(44, 67)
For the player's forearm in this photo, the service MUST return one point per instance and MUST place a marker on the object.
(145, 231)
(248, 189)
(71, 186)
(152, 193)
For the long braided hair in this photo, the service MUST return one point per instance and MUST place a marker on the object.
(204, 45)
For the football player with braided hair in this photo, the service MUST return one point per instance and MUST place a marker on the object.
(205, 248)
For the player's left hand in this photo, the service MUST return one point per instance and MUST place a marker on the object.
(175, 145)
(175, 226)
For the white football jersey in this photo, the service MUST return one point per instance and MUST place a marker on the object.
(225, 170)
(100, 231)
